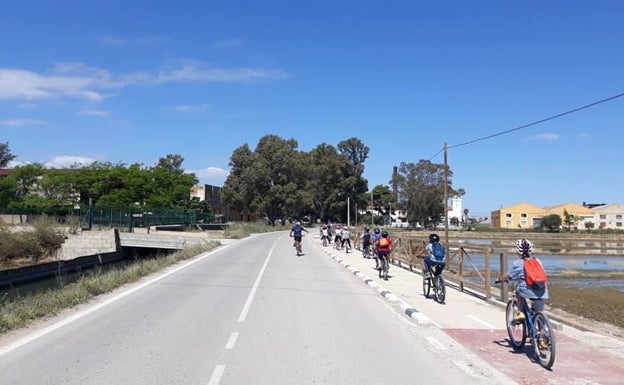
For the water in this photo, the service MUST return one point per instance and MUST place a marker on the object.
(565, 266)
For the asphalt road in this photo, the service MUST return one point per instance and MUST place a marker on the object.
(249, 312)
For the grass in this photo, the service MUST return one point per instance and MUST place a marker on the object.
(22, 311)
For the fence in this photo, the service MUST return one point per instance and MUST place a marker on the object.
(461, 270)
(115, 217)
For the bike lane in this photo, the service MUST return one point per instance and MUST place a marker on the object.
(582, 357)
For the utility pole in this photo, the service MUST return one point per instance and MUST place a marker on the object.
(446, 219)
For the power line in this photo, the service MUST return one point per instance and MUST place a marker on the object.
(533, 123)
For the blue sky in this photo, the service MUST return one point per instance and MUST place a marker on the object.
(132, 81)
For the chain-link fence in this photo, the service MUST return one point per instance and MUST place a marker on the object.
(114, 217)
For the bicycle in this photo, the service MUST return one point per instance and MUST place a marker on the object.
(535, 326)
(384, 266)
(367, 251)
(433, 279)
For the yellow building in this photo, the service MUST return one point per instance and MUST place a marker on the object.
(579, 215)
(527, 216)
(519, 216)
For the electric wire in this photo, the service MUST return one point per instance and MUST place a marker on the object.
(586, 106)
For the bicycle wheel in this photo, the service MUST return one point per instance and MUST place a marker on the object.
(385, 268)
(515, 329)
(544, 340)
(439, 288)
(426, 284)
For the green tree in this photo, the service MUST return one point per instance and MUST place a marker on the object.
(5, 155)
(354, 184)
(589, 226)
(171, 162)
(268, 181)
(421, 188)
(552, 222)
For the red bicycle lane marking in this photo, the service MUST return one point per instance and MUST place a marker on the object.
(575, 362)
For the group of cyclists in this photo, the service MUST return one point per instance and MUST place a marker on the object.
(378, 245)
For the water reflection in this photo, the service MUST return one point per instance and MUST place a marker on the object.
(567, 266)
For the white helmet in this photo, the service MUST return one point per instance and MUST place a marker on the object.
(524, 247)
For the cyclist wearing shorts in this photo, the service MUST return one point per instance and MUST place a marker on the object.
(383, 246)
(524, 248)
(297, 233)
(432, 260)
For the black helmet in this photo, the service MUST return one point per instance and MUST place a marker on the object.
(366, 228)
(384, 233)
(377, 230)
(434, 238)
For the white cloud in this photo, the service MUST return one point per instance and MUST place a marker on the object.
(191, 108)
(67, 161)
(584, 135)
(546, 136)
(212, 173)
(22, 122)
(77, 80)
(100, 113)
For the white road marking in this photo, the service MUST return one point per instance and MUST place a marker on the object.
(252, 293)
(216, 375)
(232, 341)
(91, 309)
(486, 324)
(437, 344)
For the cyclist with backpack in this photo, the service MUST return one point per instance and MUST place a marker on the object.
(530, 277)
(383, 246)
(376, 236)
(297, 232)
(436, 255)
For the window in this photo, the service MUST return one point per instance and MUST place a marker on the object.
(602, 216)
(508, 223)
(618, 216)
(508, 215)
(618, 224)
(523, 223)
(523, 215)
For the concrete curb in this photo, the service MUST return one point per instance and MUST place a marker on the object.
(408, 309)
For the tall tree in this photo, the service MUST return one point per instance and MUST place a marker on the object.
(5, 155)
(325, 182)
(268, 181)
(171, 162)
(421, 187)
(357, 153)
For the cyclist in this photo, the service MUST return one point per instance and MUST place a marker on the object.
(376, 236)
(366, 241)
(383, 246)
(338, 237)
(524, 248)
(432, 259)
(324, 235)
(297, 233)
(346, 238)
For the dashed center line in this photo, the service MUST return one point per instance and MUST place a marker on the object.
(232, 341)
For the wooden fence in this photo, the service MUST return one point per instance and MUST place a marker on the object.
(461, 270)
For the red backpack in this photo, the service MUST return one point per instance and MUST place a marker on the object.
(534, 274)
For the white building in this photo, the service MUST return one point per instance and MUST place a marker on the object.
(456, 210)
(609, 216)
